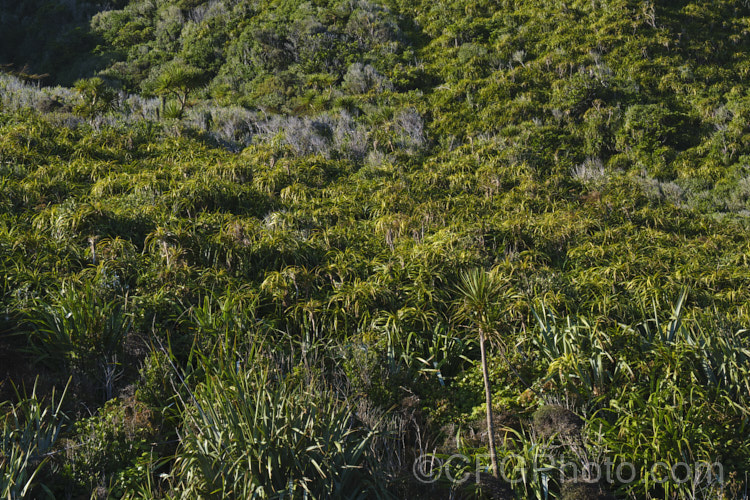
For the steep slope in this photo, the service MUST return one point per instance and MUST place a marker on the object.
(248, 231)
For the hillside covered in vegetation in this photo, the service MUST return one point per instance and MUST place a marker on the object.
(253, 249)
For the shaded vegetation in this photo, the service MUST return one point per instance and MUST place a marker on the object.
(280, 249)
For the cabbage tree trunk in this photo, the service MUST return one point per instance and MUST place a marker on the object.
(488, 401)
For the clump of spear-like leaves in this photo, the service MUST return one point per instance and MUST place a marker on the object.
(722, 354)
(30, 429)
(81, 333)
(250, 433)
(577, 352)
(661, 396)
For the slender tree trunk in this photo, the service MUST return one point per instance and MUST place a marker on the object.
(488, 401)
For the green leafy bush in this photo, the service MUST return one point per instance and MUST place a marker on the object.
(102, 445)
